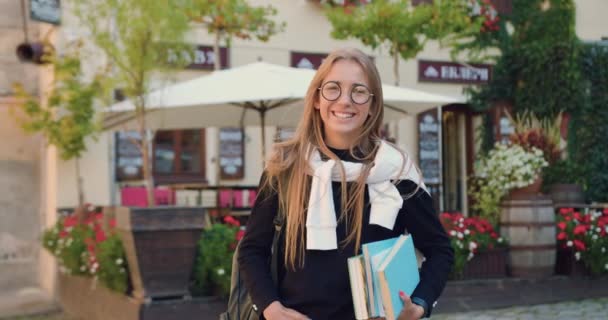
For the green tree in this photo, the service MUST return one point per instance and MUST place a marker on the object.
(68, 118)
(535, 70)
(233, 18)
(139, 39)
(401, 26)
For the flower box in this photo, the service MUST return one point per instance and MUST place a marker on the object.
(488, 264)
(84, 298)
(566, 264)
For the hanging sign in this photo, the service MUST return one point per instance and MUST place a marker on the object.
(451, 72)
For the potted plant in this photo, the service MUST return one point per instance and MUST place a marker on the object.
(214, 258)
(479, 251)
(562, 180)
(584, 236)
(507, 168)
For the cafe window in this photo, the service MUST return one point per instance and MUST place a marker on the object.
(179, 156)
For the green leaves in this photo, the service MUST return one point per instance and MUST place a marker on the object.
(69, 118)
(401, 27)
(235, 18)
(214, 260)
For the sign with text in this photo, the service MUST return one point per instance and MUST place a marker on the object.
(129, 162)
(451, 72)
(428, 146)
(204, 58)
(307, 60)
(46, 11)
(232, 153)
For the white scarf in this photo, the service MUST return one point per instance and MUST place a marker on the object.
(384, 196)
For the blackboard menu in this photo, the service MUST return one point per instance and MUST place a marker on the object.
(129, 164)
(428, 146)
(232, 153)
(46, 11)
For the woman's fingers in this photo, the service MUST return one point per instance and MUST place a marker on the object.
(405, 298)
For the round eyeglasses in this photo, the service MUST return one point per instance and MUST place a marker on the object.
(359, 94)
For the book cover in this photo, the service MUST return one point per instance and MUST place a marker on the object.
(377, 249)
(358, 287)
(398, 272)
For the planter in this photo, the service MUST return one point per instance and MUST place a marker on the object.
(566, 264)
(566, 194)
(488, 264)
(160, 245)
(84, 298)
(529, 191)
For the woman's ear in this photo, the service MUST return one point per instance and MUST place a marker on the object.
(316, 105)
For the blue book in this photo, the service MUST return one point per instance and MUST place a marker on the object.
(398, 272)
(373, 255)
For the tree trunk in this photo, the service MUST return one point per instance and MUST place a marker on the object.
(79, 183)
(140, 111)
(396, 66)
(146, 167)
(217, 65)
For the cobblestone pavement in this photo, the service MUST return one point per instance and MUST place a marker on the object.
(590, 309)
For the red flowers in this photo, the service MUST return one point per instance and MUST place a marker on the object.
(587, 233)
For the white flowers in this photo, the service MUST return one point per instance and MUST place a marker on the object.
(460, 235)
(506, 167)
(577, 255)
(472, 245)
(220, 271)
(467, 232)
(606, 266)
(569, 243)
(470, 256)
(119, 261)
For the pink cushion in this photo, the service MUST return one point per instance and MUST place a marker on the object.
(225, 197)
(237, 195)
(136, 196)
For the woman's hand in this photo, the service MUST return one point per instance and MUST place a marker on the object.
(410, 311)
(276, 311)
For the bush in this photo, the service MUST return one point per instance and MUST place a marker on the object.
(469, 236)
(587, 233)
(214, 260)
(84, 248)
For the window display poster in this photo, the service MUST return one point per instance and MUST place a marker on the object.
(232, 153)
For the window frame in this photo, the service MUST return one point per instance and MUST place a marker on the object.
(177, 176)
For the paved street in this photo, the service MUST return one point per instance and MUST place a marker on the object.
(589, 309)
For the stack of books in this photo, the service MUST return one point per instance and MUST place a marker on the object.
(376, 277)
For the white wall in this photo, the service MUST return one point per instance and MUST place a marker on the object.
(591, 22)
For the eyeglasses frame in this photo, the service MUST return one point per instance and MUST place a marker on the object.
(371, 95)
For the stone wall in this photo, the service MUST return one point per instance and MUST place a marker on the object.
(19, 161)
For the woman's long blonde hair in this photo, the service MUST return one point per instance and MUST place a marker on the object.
(288, 171)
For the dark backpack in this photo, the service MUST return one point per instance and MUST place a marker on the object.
(240, 305)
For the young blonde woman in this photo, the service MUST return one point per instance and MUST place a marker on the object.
(339, 185)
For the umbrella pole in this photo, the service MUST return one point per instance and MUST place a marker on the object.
(263, 124)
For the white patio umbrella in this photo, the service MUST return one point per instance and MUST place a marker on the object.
(274, 92)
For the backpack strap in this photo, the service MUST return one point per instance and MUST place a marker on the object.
(278, 221)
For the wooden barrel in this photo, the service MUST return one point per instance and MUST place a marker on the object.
(529, 225)
(566, 194)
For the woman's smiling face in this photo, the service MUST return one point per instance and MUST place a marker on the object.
(342, 118)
